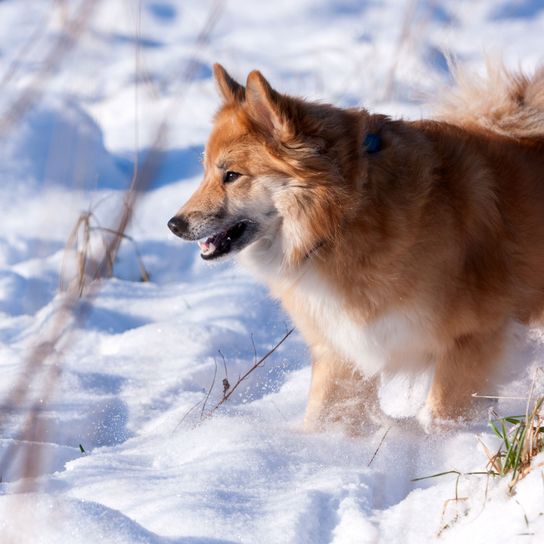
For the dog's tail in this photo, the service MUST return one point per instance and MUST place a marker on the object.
(504, 101)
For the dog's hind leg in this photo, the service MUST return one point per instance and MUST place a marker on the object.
(466, 368)
(338, 394)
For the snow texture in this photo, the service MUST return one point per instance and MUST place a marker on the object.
(151, 470)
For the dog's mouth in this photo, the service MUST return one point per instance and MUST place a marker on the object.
(223, 242)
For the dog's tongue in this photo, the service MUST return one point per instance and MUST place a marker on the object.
(213, 243)
(206, 247)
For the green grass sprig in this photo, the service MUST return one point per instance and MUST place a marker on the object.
(521, 439)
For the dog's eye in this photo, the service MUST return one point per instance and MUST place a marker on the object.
(230, 176)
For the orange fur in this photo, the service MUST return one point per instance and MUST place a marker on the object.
(424, 253)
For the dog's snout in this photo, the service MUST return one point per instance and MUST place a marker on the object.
(178, 225)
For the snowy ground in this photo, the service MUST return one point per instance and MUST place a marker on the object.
(147, 352)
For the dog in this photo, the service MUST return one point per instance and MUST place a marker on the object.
(392, 244)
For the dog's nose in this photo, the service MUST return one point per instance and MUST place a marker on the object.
(178, 225)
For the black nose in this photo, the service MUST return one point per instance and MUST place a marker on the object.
(178, 225)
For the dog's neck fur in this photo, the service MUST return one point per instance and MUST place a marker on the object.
(372, 201)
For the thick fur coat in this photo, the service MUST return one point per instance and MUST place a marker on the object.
(425, 252)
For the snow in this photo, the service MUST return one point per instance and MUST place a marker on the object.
(152, 470)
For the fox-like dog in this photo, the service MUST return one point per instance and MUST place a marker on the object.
(392, 244)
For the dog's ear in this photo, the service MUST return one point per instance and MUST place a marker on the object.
(230, 90)
(265, 106)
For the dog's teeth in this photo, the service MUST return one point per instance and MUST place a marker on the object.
(206, 248)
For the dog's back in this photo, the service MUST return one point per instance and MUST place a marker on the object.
(502, 120)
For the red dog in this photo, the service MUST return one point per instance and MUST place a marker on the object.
(392, 244)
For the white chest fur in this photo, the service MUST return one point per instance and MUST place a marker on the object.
(397, 339)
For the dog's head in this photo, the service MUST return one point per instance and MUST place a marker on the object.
(274, 174)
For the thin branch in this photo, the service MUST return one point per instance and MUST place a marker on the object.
(380, 444)
(226, 384)
(143, 271)
(254, 348)
(407, 20)
(256, 365)
(187, 413)
(66, 40)
(47, 350)
(14, 66)
(210, 389)
(496, 397)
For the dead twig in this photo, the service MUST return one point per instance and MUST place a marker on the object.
(188, 413)
(65, 42)
(227, 390)
(380, 445)
(44, 356)
(13, 68)
(143, 271)
(226, 384)
(244, 376)
(407, 21)
(210, 389)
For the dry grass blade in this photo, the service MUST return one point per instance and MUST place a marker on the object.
(14, 66)
(144, 274)
(456, 499)
(66, 40)
(79, 242)
(82, 252)
(493, 462)
(43, 360)
(437, 475)
(404, 37)
(379, 445)
(210, 389)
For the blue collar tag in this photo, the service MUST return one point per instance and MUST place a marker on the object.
(372, 143)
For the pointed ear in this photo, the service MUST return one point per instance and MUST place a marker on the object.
(230, 90)
(265, 106)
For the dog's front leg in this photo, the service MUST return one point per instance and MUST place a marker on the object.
(468, 367)
(338, 393)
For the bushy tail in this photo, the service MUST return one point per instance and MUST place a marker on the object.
(503, 101)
